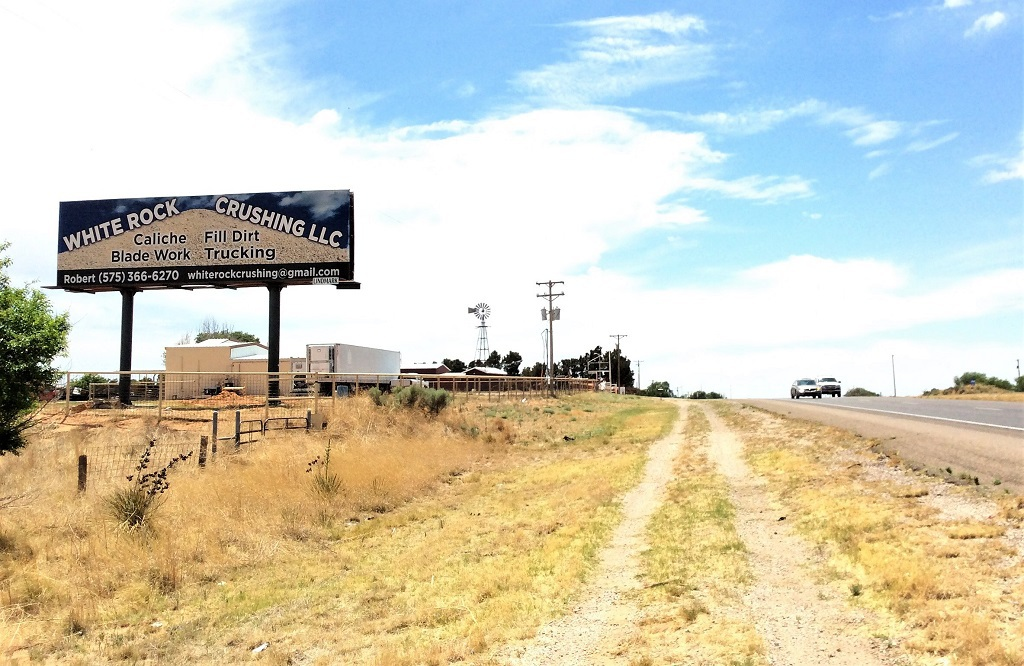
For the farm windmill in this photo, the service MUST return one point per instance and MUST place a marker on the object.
(482, 312)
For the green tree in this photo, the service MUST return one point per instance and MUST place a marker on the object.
(211, 328)
(493, 361)
(658, 390)
(538, 369)
(510, 363)
(31, 335)
(981, 378)
(454, 364)
(88, 378)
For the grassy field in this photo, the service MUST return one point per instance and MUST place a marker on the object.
(393, 538)
(421, 541)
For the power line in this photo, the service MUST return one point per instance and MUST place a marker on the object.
(618, 360)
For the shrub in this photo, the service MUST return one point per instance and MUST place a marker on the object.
(433, 401)
(324, 483)
(981, 378)
(860, 393)
(134, 507)
(436, 400)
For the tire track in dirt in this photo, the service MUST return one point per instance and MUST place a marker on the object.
(799, 621)
(606, 616)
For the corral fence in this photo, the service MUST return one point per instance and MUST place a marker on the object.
(194, 395)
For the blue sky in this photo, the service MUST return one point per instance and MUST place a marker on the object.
(749, 192)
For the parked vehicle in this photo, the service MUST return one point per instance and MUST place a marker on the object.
(346, 366)
(830, 386)
(802, 388)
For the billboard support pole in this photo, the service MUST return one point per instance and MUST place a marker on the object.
(274, 343)
(124, 383)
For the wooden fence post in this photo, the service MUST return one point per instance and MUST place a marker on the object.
(83, 472)
(204, 443)
(238, 428)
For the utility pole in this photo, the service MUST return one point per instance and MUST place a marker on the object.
(894, 375)
(639, 386)
(618, 361)
(551, 315)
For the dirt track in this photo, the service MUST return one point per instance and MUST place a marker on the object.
(799, 620)
(986, 454)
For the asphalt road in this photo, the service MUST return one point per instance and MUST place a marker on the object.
(1002, 415)
(979, 438)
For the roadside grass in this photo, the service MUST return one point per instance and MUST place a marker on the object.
(696, 567)
(995, 394)
(950, 589)
(444, 538)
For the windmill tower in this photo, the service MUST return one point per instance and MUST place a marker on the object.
(482, 312)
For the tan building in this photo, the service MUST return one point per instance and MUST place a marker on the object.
(206, 367)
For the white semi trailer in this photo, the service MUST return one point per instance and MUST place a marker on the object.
(351, 366)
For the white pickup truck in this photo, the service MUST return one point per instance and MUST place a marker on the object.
(830, 386)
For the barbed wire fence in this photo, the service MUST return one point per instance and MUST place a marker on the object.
(214, 413)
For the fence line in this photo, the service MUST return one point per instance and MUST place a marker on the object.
(174, 393)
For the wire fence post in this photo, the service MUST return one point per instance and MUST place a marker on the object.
(238, 428)
(161, 386)
(83, 472)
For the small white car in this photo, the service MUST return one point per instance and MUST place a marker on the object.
(830, 386)
(802, 388)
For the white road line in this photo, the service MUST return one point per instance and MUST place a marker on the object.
(922, 416)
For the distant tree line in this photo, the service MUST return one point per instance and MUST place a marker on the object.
(969, 378)
(595, 364)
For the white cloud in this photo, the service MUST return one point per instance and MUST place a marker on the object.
(954, 4)
(771, 189)
(922, 146)
(1005, 168)
(882, 169)
(986, 23)
(875, 132)
(754, 121)
(622, 55)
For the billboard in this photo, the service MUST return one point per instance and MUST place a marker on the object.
(217, 240)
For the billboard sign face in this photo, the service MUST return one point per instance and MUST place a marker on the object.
(218, 240)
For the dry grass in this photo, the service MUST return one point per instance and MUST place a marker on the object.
(950, 589)
(696, 567)
(982, 392)
(445, 538)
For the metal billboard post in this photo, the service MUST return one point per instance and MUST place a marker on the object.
(274, 344)
(124, 382)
